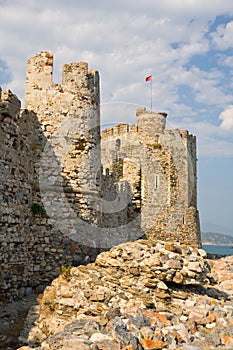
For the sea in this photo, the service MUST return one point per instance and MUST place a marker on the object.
(218, 249)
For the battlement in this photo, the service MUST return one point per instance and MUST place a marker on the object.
(132, 129)
(75, 76)
(148, 124)
(40, 70)
(74, 71)
(119, 129)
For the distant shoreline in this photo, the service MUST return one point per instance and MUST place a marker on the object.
(218, 244)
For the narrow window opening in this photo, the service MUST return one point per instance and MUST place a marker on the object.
(156, 181)
(118, 145)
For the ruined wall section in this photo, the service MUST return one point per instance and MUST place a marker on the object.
(16, 173)
(167, 163)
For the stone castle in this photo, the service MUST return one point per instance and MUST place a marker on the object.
(69, 191)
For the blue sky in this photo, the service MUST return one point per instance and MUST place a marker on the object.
(186, 45)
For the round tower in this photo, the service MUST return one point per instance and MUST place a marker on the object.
(150, 123)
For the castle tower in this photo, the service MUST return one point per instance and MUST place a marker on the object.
(69, 118)
(160, 167)
(150, 123)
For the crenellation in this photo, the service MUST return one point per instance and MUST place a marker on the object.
(133, 128)
(116, 129)
(120, 129)
(107, 133)
(124, 128)
(76, 74)
(184, 134)
(93, 85)
(40, 71)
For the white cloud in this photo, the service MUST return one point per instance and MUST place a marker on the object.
(215, 148)
(212, 140)
(222, 38)
(125, 41)
(228, 61)
(227, 118)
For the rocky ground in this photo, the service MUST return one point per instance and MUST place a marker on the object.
(139, 295)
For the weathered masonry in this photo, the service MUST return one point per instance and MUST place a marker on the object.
(160, 166)
(67, 192)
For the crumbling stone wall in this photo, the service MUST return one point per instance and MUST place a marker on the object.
(16, 171)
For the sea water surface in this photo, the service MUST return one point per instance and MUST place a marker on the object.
(218, 249)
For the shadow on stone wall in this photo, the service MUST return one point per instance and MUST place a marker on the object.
(49, 234)
(33, 245)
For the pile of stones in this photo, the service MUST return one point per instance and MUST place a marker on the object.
(138, 296)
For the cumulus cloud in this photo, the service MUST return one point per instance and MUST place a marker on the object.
(216, 148)
(125, 41)
(212, 141)
(227, 118)
(126, 35)
(222, 38)
(228, 62)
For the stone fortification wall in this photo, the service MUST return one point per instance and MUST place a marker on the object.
(16, 173)
(59, 204)
(165, 185)
(49, 153)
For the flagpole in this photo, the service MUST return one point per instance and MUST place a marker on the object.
(149, 78)
(151, 96)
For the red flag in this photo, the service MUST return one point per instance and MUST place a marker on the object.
(149, 78)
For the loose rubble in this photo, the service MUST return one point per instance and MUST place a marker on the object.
(138, 296)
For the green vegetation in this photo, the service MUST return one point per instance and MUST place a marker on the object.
(66, 272)
(38, 210)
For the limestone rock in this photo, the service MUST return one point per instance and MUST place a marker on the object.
(120, 302)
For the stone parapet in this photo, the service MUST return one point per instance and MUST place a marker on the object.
(148, 125)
